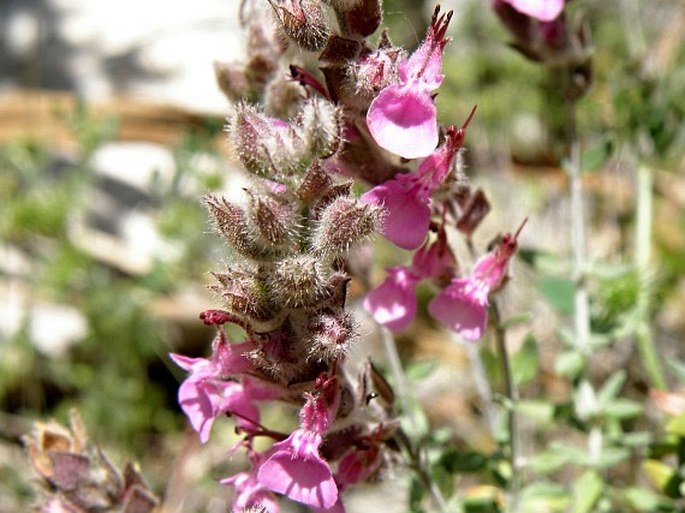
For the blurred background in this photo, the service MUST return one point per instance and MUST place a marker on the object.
(111, 131)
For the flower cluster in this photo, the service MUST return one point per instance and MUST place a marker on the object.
(301, 134)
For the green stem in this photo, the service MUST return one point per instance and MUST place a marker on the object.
(643, 244)
(511, 392)
(581, 310)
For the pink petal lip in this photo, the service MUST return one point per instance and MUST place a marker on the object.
(543, 10)
(307, 481)
(403, 120)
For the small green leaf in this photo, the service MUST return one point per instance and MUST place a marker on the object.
(676, 426)
(586, 492)
(663, 477)
(623, 409)
(611, 387)
(642, 499)
(526, 362)
(541, 411)
(544, 496)
(420, 370)
(612, 456)
(515, 320)
(558, 292)
(678, 368)
(596, 156)
(569, 364)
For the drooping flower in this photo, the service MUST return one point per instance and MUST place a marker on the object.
(205, 394)
(463, 305)
(406, 198)
(248, 491)
(295, 467)
(393, 303)
(402, 118)
(543, 10)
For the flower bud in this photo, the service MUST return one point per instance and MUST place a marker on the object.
(304, 21)
(358, 17)
(232, 80)
(321, 127)
(282, 97)
(331, 336)
(244, 294)
(231, 222)
(343, 224)
(297, 282)
(267, 147)
(271, 220)
(314, 183)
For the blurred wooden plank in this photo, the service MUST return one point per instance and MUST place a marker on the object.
(40, 114)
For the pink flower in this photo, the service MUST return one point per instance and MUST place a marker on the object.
(403, 118)
(393, 302)
(543, 10)
(406, 198)
(205, 394)
(463, 305)
(295, 467)
(248, 491)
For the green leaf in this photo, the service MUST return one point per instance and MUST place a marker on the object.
(541, 411)
(586, 492)
(612, 456)
(678, 368)
(676, 426)
(515, 320)
(642, 499)
(611, 387)
(623, 409)
(544, 496)
(526, 362)
(595, 157)
(663, 477)
(545, 262)
(420, 370)
(558, 292)
(569, 364)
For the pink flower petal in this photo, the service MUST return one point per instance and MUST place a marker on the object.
(407, 214)
(403, 120)
(543, 10)
(463, 308)
(393, 302)
(307, 481)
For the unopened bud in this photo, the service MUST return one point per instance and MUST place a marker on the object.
(343, 224)
(321, 127)
(282, 97)
(232, 224)
(244, 295)
(474, 209)
(314, 183)
(272, 220)
(304, 21)
(232, 80)
(267, 147)
(297, 282)
(331, 336)
(358, 17)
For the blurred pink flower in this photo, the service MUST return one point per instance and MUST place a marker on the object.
(248, 491)
(543, 10)
(463, 305)
(406, 198)
(403, 118)
(393, 302)
(205, 394)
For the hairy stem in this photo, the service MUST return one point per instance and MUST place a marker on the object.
(643, 242)
(418, 465)
(581, 311)
(512, 395)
